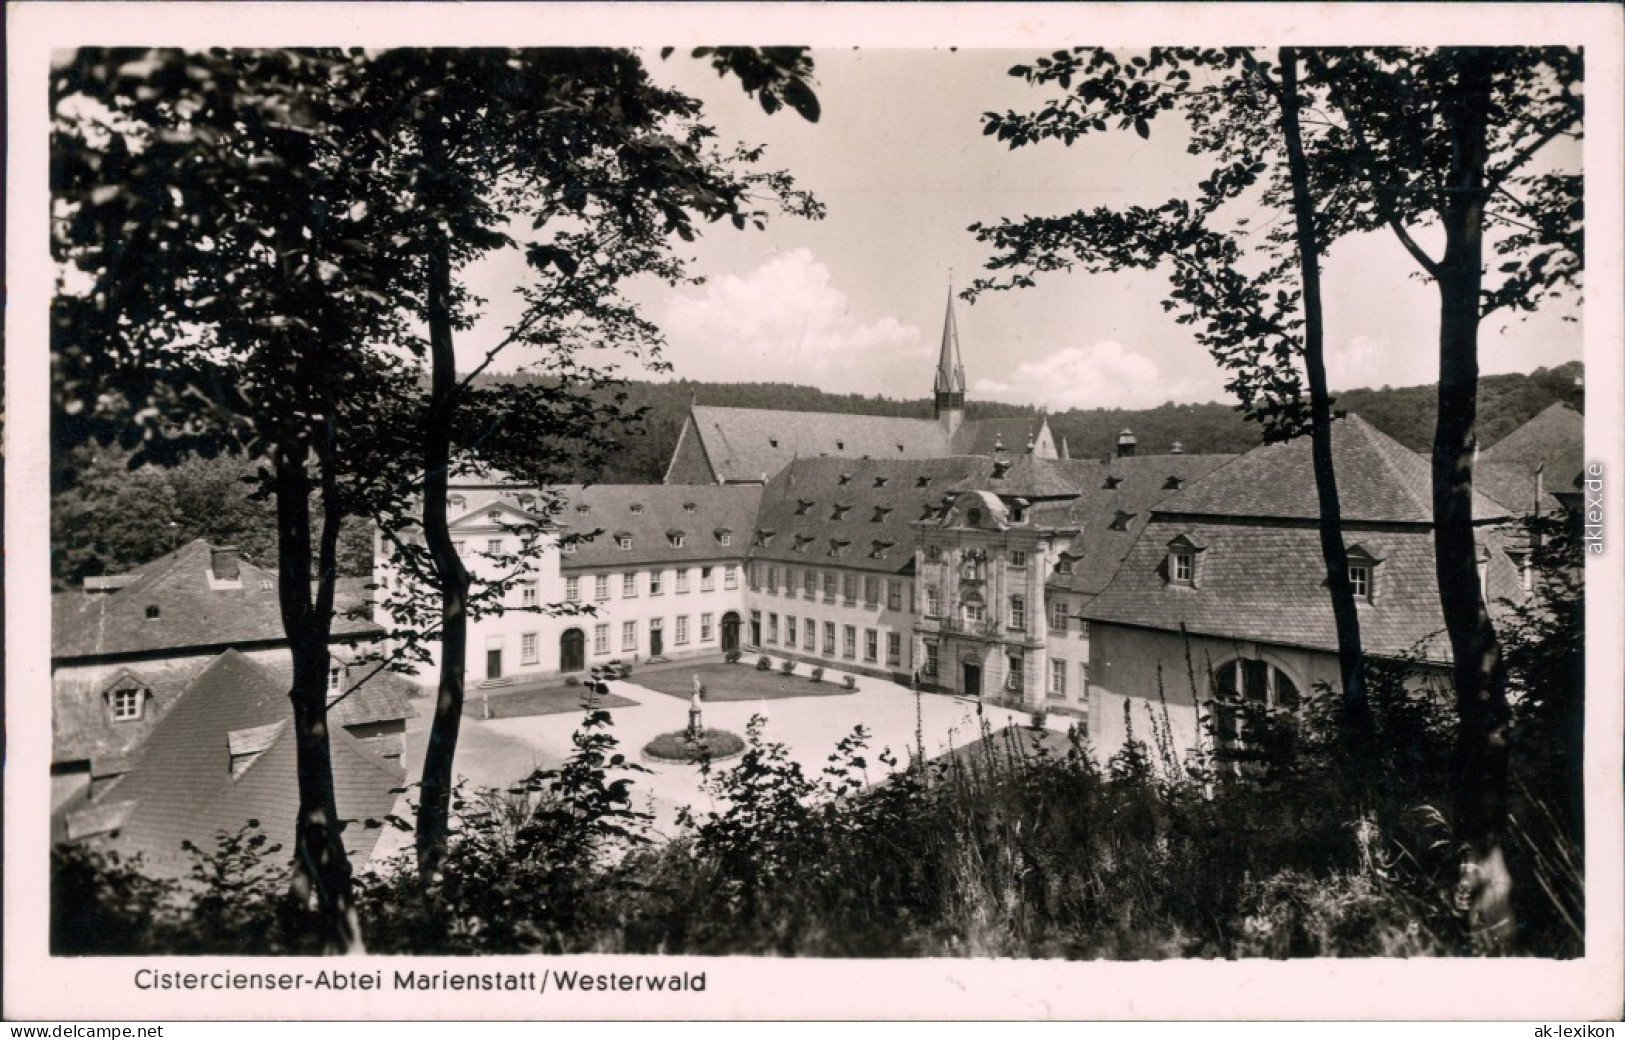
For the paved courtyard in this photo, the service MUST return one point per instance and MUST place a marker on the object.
(497, 752)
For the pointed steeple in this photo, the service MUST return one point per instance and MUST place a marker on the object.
(948, 389)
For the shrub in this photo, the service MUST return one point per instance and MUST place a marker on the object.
(788, 667)
(678, 746)
(1040, 717)
(850, 682)
(817, 674)
(732, 656)
(763, 664)
(572, 680)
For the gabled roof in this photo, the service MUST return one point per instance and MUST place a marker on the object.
(885, 498)
(181, 787)
(748, 444)
(1555, 440)
(1378, 479)
(190, 614)
(651, 514)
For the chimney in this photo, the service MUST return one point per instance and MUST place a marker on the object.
(1065, 454)
(223, 562)
(1125, 444)
(1177, 449)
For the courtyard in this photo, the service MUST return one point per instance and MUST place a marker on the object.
(800, 714)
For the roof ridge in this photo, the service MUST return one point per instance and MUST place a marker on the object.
(1390, 452)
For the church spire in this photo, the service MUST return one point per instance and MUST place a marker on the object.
(949, 386)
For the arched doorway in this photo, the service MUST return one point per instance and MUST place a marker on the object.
(572, 650)
(730, 632)
(1245, 685)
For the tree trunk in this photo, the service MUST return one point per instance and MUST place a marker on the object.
(1358, 728)
(321, 867)
(435, 810)
(1481, 786)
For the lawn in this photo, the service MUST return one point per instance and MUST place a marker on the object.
(739, 682)
(556, 699)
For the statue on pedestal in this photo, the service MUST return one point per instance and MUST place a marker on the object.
(695, 728)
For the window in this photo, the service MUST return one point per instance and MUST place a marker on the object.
(1360, 579)
(849, 644)
(829, 588)
(802, 505)
(708, 581)
(772, 628)
(773, 581)
(1057, 615)
(1241, 687)
(894, 648)
(600, 587)
(809, 634)
(629, 585)
(930, 667)
(829, 637)
(335, 680)
(1083, 679)
(1526, 570)
(839, 512)
(655, 579)
(265, 584)
(1018, 558)
(871, 591)
(1018, 612)
(461, 547)
(1184, 568)
(572, 591)
(629, 635)
(809, 587)
(753, 575)
(682, 579)
(1013, 676)
(973, 611)
(849, 588)
(725, 538)
(623, 541)
(494, 516)
(689, 507)
(933, 553)
(730, 577)
(1063, 564)
(457, 502)
(789, 630)
(871, 645)
(493, 546)
(676, 539)
(682, 630)
(637, 507)
(933, 601)
(881, 512)
(755, 628)
(568, 547)
(705, 628)
(127, 703)
(600, 639)
(527, 593)
(527, 648)
(894, 595)
(1057, 679)
(153, 612)
(1120, 521)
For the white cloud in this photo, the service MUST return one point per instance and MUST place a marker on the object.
(1104, 374)
(782, 321)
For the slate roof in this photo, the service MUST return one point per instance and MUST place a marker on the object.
(191, 614)
(1378, 479)
(82, 726)
(983, 436)
(182, 787)
(697, 511)
(1023, 476)
(1506, 470)
(748, 444)
(884, 497)
(1113, 504)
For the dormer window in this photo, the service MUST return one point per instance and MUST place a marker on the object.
(802, 540)
(494, 516)
(1173, 483)
(457, 502)
(675, 538)
(899, 449)
(802, 505)
(623, 541)
(880, 549)
(1000, 468)
(845, 478)
(841, 446)
(335, 681)
(126, 703)
(266, 584)
(689, 507)
(880, 482)
(973, 516)
(636, 507)
(921, 482)
(837, 547)
(1183, 562)
(1063, 564)
(1121, 520)
(153, 612)
(583, 508)
(1363, 573)
(724, 536)
(881, 512)
(1112, 483)
(1522, 559)
(773, 442)
(839, 512)
(568, 547)
(763, 538)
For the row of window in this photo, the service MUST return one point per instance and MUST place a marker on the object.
(808, 630)
(846, 587)
(656, 584)
(530, 645)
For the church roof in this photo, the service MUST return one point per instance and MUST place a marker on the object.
(983, 436)
(752, 444)
(950, 378)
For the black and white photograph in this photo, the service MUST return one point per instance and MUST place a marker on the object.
(600, 511)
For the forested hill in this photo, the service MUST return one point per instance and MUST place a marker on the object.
(1404, 413)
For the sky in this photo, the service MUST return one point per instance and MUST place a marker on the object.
(855, 302)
